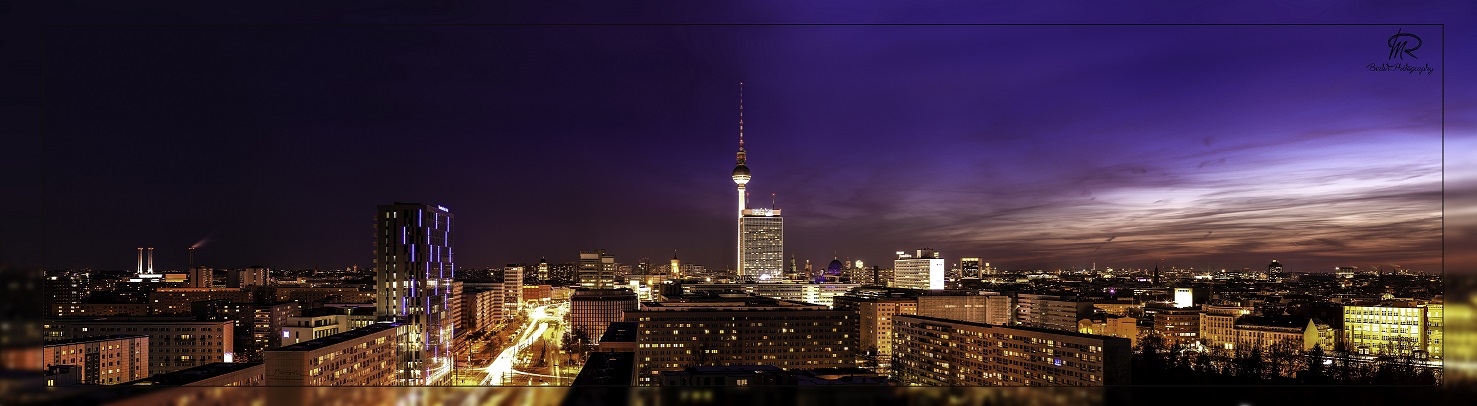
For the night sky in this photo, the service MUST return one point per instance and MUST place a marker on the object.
(1028, 146)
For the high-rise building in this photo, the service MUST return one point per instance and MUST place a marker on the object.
(243, 278)
(921, 270)
(1051, 312)
(512, 290)
(201, 277)
(592, 311)
(543, 270)
(597, 270)
(970, 268)
(414, 268)
(761, 231)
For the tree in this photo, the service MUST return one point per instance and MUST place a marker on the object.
(1314, 372)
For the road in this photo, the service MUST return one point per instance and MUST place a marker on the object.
(542, 320)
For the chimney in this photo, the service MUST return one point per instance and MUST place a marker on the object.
(192, 259)
(151, 260)
(140, 261)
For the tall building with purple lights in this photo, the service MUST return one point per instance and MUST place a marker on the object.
(413, 274)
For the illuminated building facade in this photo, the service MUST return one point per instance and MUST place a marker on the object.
(104, 360)
(941, 352)
(1386, 329)
(175, 343)
(414, 268)
(672, 336)
(361, 357)
(592, 311)
(597, 270)
(923, 269)
(875, 320)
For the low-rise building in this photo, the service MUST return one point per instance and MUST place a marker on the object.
(360, 357)
(101, 360)
(941, 352)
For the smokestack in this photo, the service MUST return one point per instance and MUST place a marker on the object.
(192, 259)
(151, 260)
(140, 261)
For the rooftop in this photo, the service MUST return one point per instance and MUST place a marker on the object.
(196, 374)
(621, 331)
(608, 369)
(1022, 328)
(95, 339)
(338, 338)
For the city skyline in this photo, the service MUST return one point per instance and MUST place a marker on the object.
(874, 139)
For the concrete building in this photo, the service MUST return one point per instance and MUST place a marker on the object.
(101, 360)
(1112, 326)
(414, 268)
(1177, 325)
(875, 320)
(597, 270)
(248, 277)
(815, 293)
(175, 343)
(1052, 312)
(922, 269)
(941, 352)
(361, 357)
(201, 277)
(1236, 334)
(1386, 329)
(512, 290)
(672, 336)
(175, 301)
(592, 311)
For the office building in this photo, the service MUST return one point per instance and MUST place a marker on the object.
(592, 311)
(365, 356)
(597, 270)
(940, 352)
(101, 360)
(414, 268)
(970, 268)
(512, 290)
(672, 336)
(922, 269)
(1392, 330)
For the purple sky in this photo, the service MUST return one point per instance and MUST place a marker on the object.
(1028, 146)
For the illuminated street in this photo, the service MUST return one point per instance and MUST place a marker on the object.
(544, 324)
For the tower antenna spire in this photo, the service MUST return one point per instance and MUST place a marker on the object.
(741, 116)
(771, 200)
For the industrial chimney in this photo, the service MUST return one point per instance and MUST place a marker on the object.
(140, 261)
(151, 260)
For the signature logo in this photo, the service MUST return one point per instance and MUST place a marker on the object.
(1400, 45)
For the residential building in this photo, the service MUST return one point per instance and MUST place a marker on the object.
(940, 352)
